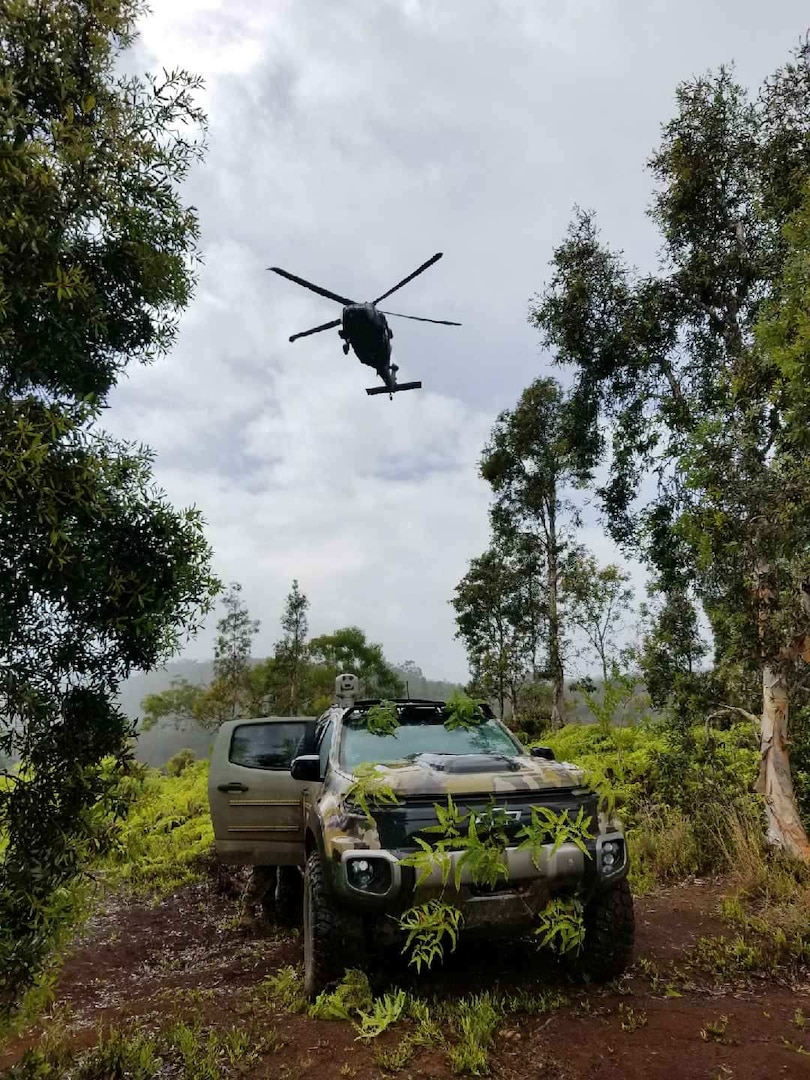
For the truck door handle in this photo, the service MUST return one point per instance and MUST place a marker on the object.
(234, 786)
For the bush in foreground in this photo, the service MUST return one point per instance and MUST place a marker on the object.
(167, 833)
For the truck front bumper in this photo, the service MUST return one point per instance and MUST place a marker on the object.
(525, 889)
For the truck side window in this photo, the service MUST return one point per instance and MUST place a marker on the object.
(325, 744)
(265, 746)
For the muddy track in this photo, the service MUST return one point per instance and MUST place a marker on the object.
(145, 964)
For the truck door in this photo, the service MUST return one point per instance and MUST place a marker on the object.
(256, 806)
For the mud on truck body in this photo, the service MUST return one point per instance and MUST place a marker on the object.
(283, 793)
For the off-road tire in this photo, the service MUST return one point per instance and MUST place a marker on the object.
(289, 895)
(609, 934)
(330, 937)
(321, 931)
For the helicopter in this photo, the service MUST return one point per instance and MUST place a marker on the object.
(364, 328)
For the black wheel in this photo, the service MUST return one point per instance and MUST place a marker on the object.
(320, 931)
(289, 892)
(609, 934)
(329, 938)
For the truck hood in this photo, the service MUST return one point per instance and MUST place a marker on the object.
(476, 774)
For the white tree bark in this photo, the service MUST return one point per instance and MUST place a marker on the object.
(785, 828)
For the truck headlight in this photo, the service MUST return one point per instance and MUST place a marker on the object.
(369, 874)
(612, 855)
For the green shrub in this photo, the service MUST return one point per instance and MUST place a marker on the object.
(167, 832)
(183, 758)
(677, 792)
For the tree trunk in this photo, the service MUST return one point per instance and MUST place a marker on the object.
(294, 694)
(785, 829)
(555, 660)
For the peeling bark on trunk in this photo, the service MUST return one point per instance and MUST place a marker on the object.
(785, 827)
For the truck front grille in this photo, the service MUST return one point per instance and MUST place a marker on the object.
(399, 827)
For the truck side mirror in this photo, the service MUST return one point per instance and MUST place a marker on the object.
(543, 752)
(306, 767)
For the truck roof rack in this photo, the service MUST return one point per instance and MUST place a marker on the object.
(400, 701)
(366, 703)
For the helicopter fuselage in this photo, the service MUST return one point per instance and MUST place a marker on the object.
(366, 330)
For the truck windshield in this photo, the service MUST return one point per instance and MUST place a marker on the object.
(417, 736)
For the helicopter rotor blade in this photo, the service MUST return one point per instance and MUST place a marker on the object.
(308, 285)
(410, 277)
(420, 318)
(316, 329)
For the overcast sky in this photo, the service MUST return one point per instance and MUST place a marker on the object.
(349, 141)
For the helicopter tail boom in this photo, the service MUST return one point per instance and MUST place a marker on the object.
(371, 391)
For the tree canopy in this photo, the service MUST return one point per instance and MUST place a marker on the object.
(532, 458)
(696, 370)
(99, 575)
(501, 610)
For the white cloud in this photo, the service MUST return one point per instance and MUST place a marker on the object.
(348, 142)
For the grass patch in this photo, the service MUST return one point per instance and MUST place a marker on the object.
(285, 990)
(631, 1019)
(769, 908)
(181, 1051)
(397, 1058)
(475, 1022)
(384, 1012)
(352, 995)
(715, 1031)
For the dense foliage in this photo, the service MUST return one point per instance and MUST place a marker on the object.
(699, 369)
(99, 575)
(532, 460)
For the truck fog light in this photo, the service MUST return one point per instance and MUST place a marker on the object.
(361, 873)
(369, 875)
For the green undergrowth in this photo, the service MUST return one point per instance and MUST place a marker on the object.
(182, 1051)
(768, 912)
(676, 793)
(167, 833)
(464, 1029)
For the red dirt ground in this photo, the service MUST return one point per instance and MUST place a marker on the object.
(183, 958)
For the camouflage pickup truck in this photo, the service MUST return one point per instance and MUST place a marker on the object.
(284, 793)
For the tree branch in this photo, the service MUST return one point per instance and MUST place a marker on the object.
(755, 720)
